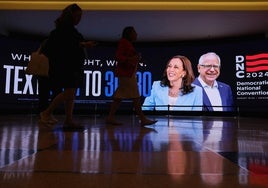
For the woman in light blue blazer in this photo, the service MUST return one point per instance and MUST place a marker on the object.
(175, 90)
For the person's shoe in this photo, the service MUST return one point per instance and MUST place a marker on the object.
(112, 122)
(45, 125)
(146, 130)
(47, 119)
(53, 119)
(148, 122)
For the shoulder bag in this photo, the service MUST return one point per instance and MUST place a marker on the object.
(38, 64)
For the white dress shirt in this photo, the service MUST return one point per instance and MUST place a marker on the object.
(213, 94)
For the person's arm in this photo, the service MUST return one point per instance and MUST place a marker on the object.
(43, 47)
(88, 44)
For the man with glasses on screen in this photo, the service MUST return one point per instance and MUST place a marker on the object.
(217, 96)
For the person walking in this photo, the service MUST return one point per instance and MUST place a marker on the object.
(65, 52)
(127, 62)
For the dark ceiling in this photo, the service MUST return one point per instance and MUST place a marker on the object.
(152, 26)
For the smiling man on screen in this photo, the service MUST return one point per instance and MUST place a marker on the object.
(217, 96)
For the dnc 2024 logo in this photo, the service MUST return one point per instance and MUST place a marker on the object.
(252, 66)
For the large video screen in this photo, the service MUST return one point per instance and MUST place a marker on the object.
(244, 66)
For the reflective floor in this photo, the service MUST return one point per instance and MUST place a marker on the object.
(178, 151)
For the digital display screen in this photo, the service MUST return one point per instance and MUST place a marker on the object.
(244, 66)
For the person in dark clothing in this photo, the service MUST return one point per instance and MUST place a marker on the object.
(65, 52)
(45, 89)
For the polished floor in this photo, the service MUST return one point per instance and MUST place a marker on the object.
(178, 151)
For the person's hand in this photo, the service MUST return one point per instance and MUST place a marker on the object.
(89, 44)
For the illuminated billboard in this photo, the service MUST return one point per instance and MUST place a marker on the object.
(244, 66)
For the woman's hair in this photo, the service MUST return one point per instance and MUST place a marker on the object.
(127, 31)
(186, 80)
(67, 15)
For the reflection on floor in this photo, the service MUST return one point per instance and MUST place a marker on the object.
(178, 151)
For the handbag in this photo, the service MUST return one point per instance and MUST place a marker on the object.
(38, 64)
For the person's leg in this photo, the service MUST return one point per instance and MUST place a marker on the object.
(54, 104)
(111, 116)
(47, 115)
(43, 93)
(69, 105)
(66, 96)
(137, 106)
(143, 118)
(55, 91)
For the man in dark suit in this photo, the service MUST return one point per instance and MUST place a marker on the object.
(217, 96)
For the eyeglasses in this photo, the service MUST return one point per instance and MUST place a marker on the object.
(210, 66)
